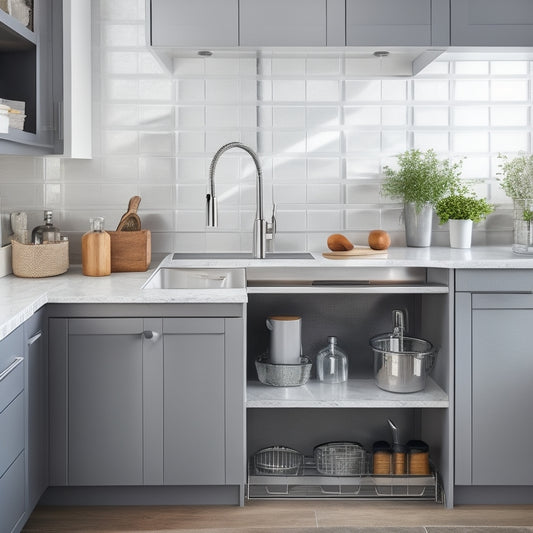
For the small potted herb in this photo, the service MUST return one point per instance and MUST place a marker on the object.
(462, 209)
(517, 183)
(420, 181)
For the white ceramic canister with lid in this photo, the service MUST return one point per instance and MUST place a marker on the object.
(285, 339)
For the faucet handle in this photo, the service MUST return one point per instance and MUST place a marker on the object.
(271, 225)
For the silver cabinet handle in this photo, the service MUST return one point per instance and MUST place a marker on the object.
(11, 367)
(151, 335)
(35, 338)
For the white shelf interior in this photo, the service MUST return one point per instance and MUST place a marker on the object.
(362, 393)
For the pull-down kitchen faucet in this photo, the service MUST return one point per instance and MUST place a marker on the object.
(263, 230)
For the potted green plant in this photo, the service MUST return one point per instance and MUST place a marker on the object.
(420, 181)
(517, 183)
(462, 209)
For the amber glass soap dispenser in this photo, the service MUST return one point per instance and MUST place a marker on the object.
(96, 250)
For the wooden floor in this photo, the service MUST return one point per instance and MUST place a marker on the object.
(272, 516)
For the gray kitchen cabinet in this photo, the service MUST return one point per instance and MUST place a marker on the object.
(397, 23)
(493, 417)
(491, 23)
(283, 23)
(36, 387)
(105, 424)
(12, 433)
(148, 401)
(49, 70)
(202, 23)
(193, 405)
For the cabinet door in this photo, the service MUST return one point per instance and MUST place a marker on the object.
(388, 22)
(491, 23)
(37, 408)
(502, 396)
(282, 23)
(194, 401)
(105, 394)
(201, 23)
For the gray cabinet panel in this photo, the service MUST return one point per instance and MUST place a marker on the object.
(282, 22)
(502, 397)
(494, 281)
(12, 382)
(194, 414)
(388, 22)
(37, 408)
(12, 497)
(11, 432)
(105, 427)
(491, 23)
(200, 23)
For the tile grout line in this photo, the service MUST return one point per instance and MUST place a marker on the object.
(316, 518)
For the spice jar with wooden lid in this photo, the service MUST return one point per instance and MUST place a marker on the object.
(418, 458)
(381, 458)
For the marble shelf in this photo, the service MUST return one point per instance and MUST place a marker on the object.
(358, 393)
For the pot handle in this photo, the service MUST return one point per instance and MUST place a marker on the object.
(430, 361)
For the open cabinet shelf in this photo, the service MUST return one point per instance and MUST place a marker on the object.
(358, 393)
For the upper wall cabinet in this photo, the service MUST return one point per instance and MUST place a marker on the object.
(491, 23)
(397, 23)
(283, 23)
(202, 23)
(49, 69)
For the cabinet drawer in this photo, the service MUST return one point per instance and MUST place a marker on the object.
(11, 381)
(11, 433)
(494, 281)
(12, 496)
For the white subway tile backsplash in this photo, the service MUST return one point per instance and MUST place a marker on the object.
(323, 117)
(323, 141)
(288, 90)
(362, 116)
(509, 90)
(509, 116)
(505, 68)
(474, 141)
(322, 131)
(324, 220)
(431, 90)
(430, 116)
(363, 90)
(471, 90)
(288, 117)
(472, 67)
(323, 194)
(468, 116)
(322, 90)
(509, 141)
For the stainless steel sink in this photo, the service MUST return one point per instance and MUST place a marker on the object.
(197, 278)
(239, 255)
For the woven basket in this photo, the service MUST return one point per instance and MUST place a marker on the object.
(39, 260)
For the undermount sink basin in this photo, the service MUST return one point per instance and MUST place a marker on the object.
(197, 278)
(239, 255)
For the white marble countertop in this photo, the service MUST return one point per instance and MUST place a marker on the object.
(20, 297)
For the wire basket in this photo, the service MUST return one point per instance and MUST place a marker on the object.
(283, 375)
(341, 459)
(278, 460)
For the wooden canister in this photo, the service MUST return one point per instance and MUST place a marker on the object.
(96, 250)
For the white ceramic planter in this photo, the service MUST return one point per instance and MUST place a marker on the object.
(460, 233)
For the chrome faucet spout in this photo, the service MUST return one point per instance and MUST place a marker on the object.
(261, 226)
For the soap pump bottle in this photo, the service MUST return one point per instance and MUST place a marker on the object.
(332, 363)
(96, 250)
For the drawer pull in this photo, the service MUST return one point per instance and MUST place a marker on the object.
(11, 367)
(35, 338)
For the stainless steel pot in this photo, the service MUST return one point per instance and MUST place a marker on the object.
(402, 369)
